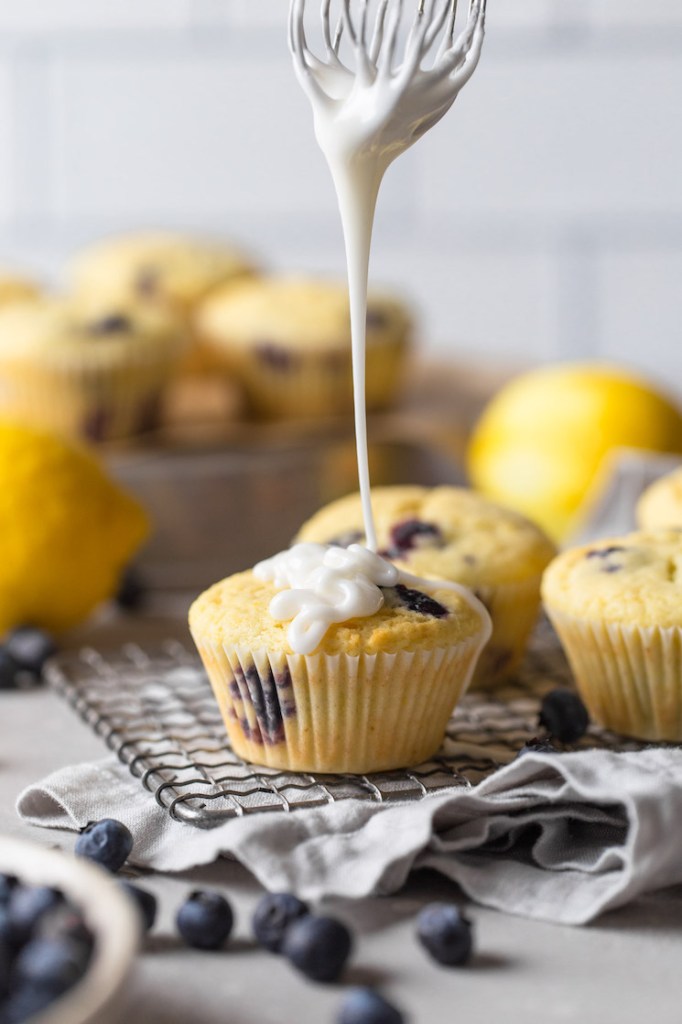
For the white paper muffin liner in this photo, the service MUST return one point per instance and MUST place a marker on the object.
(337, 713)
(629, 677)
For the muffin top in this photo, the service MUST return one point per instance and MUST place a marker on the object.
(295, 312)
(661, 503)
(446, 532)
(157, 265)
(16, 289)
(55, 330)
(632, 580)
(236, 612)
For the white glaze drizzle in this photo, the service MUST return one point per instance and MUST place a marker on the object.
(364, 118)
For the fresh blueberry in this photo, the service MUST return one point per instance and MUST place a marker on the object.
(365, 1006)
(9, 670)
(273, 915)
(115, 323)
(25, 1004)
(107, 842)
(563, 715)
(146, 903)
(537, 745)
(63, 921)
(205, 920)
(7, 884)
(132, 591)
(414, 601)
(52, 964)
(413, 533)
(318, 946)
(445, 933)
(27, 906)
(30, 647)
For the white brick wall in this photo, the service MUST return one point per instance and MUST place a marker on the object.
(542, 219)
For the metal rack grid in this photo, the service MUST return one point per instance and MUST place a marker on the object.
(156, 711)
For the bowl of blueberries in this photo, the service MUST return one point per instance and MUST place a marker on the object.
(68, 937)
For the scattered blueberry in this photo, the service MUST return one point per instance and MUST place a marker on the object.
(107, 842)
(563, 715)
(115, 323)
(205, 920)
(365, 1006)
(537, 745)
(145, 901)
(274, 913)
(318, 946)
(412, 533)
(30, 647)
(63, 921)
(444, 931)
(9, 670)
(52, 964)
(27, 905)
(414, 601)
(132, 591)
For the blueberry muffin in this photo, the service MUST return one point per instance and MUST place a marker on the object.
(14, 288)
(287, 339)
(617, 607)
(86, 369)
(454, 534)
(375, 694)
(661, 502)
(165, 268)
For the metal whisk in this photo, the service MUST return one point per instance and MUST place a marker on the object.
(424, 76)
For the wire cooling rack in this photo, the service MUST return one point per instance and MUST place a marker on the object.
(155, 709)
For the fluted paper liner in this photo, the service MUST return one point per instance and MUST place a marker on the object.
(629, 677)
(337, 713)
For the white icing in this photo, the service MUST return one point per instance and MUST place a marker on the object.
(364, 117)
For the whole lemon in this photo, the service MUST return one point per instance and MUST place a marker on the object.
(66, 530)
(540, 442)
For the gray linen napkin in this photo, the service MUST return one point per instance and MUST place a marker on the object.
(560, 838)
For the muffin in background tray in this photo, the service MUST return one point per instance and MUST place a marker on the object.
(287, 340)
(160, 267)
(90, 369)
(661, 502)
(375, 694)
(454, 534)
(16, 288)
(617, 607)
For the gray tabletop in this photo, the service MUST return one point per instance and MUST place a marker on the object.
(623, 968)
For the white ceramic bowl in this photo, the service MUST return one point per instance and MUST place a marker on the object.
(106, 910)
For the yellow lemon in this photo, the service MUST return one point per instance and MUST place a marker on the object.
(540, 442)
(66, 530)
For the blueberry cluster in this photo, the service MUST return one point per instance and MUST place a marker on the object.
(23, 656)
(45, 948)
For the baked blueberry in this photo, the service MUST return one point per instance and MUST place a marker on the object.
(107, 842)
(145, 901)
(9, 670)
(52, 964)
(365, 1006)
(414, 601)
(445, 933)
(205, 920)
(114, 323)
(27, 905)
(563, 715)
(413, 533)
(318, 946)
(30, 647)
(274, 913)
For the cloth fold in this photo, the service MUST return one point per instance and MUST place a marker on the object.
(559, 838)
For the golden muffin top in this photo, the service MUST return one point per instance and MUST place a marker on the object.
(661, 502)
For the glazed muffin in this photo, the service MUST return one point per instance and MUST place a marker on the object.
(375, 694)
(16, 289)
(165, 268)
(617, 607)
(661, 503)
(88, 370)
(454, 534)
(287, 339)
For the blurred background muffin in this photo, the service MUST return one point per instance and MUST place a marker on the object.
(661, 503)
(15, 288)
(454, 534)
(86, 368)
(161, 267)
(287, 340)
